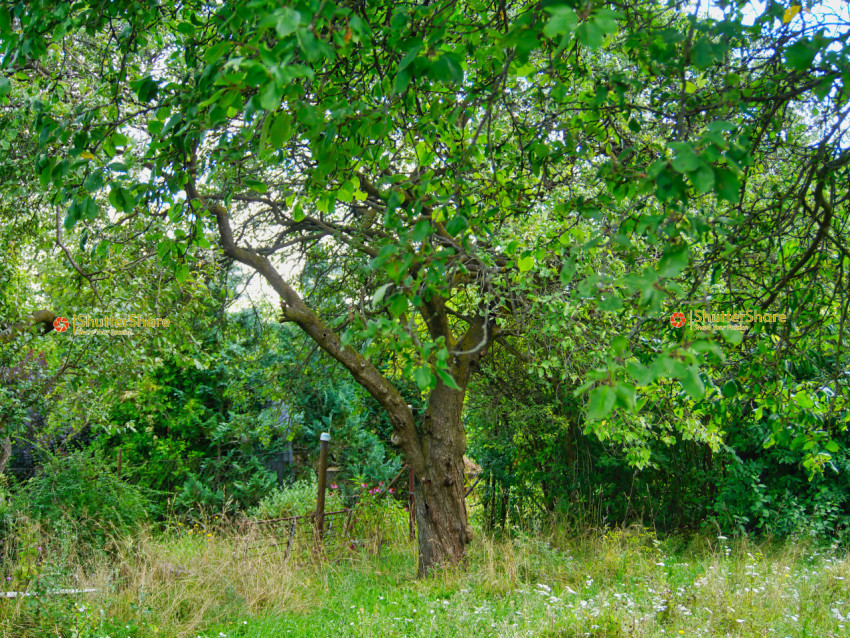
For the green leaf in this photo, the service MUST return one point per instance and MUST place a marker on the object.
(72, 216)
(398, 304)
(611, 303)
(600, 402)
(5, 86)
(640, 373)
(673, 261)
(525, 263)
(186, 28)
(269, 97)
(620, 344)
(163, 248)
(803, 400)
(409, 57)
(686, 158)
(122, 199)
(729, 389)
(702, 178)
(832, 446)
(5, 21)
(379, 293)
(422, 229)
(456, 225)
(692, 383)
(800, 55)
(89, 209)
(564, 20)
(280, 130)
(732, 336)
(402, 79)
(93, 182)
(590, 35)
(625, 394)
(719, 126)
(255, 185)
(146, 88)
(181, 273)
(606, 21)
(446, 69)
(727, 185)
(702, 55)
(298, 213)
(666, 366)
(567, 272)
(423, 377)
(447, 379)
(288, 21)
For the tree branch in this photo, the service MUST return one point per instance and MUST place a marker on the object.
(295, 310)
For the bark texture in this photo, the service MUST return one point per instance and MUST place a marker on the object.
(5, 453)
(44, 318)
(441, 519)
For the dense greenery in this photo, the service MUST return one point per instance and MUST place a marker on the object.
(601, 247)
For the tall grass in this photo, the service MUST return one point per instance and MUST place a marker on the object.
(199, 580)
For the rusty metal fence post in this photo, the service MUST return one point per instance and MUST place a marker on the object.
(323, 474)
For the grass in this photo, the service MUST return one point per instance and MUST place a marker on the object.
(199, 582)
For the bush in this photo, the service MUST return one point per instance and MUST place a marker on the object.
(297, 499)
(79, 489)
(234, 482)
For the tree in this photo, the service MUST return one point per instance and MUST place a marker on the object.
(461, 162)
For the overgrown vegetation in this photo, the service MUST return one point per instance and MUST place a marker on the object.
(554, 582)
(568, 276)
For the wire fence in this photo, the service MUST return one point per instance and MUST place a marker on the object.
(326, 529)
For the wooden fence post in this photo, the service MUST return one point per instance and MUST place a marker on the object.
(323, 474)
(411, 503)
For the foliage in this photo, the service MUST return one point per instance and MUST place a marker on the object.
(665, 153)
(201, 421)
(341, 409)
(539, 460)
(455, 177)
(379, 517)
(297, 499)
(79, 488)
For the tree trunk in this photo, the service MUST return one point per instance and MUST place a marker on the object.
(442, 524)
(433, 448)
(5, 453)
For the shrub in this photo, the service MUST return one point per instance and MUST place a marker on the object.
(297, 499)
(79, 489)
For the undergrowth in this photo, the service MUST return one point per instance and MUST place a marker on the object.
(213, 579)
